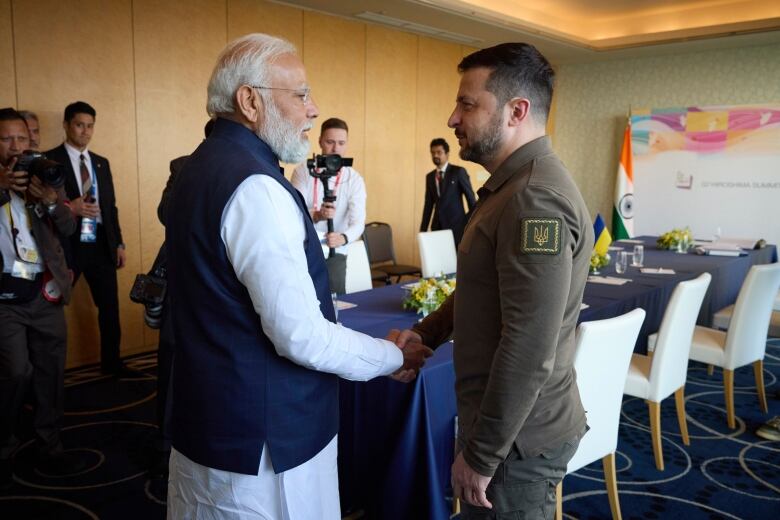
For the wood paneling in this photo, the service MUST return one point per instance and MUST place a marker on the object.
(391, 78)
(83, 50)
(7, 72)
(172, 69)
(336, 69)
(145, 65)
(251, 16)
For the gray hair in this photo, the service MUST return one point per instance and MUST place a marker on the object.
(27, 114)
(244, 61)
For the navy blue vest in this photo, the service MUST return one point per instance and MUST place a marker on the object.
(231, 391)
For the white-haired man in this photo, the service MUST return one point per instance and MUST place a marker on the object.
(258, 356)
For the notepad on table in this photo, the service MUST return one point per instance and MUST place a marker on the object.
(342, 305)
(608, 280)
(656, 270)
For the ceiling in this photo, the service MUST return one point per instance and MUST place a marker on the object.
(571, 31)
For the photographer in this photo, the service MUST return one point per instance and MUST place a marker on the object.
(34, 286)
(349, 210)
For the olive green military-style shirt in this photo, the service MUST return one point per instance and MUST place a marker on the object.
(522, 267)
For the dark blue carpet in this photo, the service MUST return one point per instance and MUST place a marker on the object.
(722, 474)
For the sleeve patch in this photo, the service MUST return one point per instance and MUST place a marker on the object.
(540, 236)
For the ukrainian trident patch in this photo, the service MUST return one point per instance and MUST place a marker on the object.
(540, 236)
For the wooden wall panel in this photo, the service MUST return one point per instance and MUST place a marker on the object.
(7, 66)
(172, 70)
(437, 86)
(83, 50)
(336, 69)
(391, 78)
(251, 16)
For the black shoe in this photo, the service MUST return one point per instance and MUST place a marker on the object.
(60, 465)
(6, 474)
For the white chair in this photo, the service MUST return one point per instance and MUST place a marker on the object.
(722, 318)
(656, 377)
(358, 269)
(437, 252)
(745, 341)
(603, 354)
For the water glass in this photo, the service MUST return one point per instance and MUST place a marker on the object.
(621, 262)
(335, 298)
(639, 256)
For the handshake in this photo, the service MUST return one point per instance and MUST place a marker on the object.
(415, 354)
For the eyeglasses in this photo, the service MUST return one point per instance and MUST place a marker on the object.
(304, 94)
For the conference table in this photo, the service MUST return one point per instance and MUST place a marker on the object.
(396, 440)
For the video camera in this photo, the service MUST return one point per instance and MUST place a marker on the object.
(36, 164)
(323, 167)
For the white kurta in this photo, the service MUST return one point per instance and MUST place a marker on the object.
(263, 233)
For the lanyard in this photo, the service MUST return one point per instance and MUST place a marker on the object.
(15, 231)
(335, 189)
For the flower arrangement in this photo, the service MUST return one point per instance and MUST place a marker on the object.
(598, 261)
(679, 239)
(428, 294)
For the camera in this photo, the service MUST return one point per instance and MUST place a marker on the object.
(35, 163)
(149, 290)
(329, 165)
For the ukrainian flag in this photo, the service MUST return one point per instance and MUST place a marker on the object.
(602, 236)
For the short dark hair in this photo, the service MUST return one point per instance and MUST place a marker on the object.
(79, 107)
(439, 141)
(10, 114)
(334, 122)
(27, 114)
(518, 69)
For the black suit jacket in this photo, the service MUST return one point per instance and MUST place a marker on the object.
(106, 196)
(447, 208)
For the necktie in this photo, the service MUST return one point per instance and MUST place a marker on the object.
(86, 178)
(438, 181)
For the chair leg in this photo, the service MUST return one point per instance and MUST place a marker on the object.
(559, 501)
(728, 393)
(610, 478)
(710, 370)
(758, 371)
(655, 433)
(679, 402)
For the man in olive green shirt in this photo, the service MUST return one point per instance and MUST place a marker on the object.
(522, 266)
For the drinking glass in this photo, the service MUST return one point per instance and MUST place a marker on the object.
(621, 262)
(639, 256)
(335, 298)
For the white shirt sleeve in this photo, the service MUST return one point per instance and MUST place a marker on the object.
(356, 208)
(263, 233)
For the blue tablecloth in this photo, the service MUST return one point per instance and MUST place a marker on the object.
(396, 441)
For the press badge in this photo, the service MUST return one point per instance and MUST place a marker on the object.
(28, 254)
(23, 270)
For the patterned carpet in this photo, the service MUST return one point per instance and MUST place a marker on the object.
(722, 474)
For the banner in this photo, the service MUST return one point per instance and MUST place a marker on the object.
(713, 169)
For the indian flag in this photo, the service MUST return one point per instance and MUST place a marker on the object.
(623, 210)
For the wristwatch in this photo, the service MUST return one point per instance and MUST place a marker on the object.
(51, 207)
(346, 240)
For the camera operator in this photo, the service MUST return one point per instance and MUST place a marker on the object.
(349, 210)
(34, 286)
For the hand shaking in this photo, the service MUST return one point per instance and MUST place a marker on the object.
(415, 354)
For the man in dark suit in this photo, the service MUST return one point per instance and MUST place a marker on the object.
(98, 250)
(445, 188)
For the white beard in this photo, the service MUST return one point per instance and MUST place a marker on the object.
(286, 141)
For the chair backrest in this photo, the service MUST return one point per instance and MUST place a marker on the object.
(669, 368)
(437, 252)
(746, 339)
(777, 302)
(601, 361)
(379, 242)
(358, 270)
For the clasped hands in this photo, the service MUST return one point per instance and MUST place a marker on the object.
(415, 353)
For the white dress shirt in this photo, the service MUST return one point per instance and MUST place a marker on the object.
(75, 160)
(350, 192)
(263, 232)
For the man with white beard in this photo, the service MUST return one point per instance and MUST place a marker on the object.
(258, 352)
